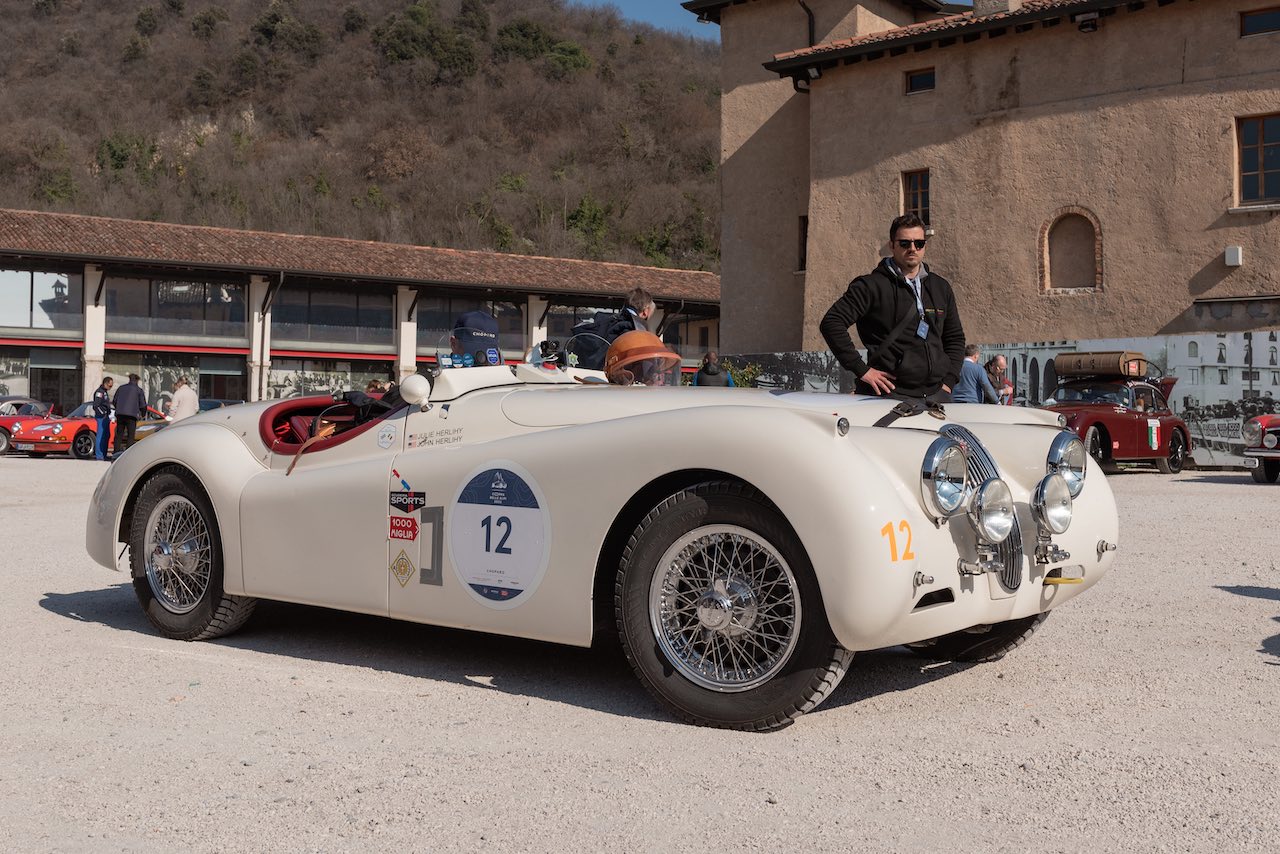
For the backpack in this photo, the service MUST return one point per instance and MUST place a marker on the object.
(590, 339)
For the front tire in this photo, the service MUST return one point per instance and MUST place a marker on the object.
(979, 646)
(1268, 471)
(175, 553)
(4, 441)
(1177, 455)
(720, 614)
(82, 446)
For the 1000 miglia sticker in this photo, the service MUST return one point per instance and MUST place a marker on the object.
(500, 535)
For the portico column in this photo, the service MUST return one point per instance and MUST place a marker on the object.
(537, 324)
(95, 331)
(259, 336)
(406, 333)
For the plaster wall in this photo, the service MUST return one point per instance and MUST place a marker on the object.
(1134, 123)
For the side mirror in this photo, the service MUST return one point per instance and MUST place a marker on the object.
(415, 389)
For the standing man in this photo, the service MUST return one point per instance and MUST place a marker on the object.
(102, 412)
(130, 404)
(636, 313)
(711, 373)
(906, 316)
(185, 401)
(973, 385)
(997, 367)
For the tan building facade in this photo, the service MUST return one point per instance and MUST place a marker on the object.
(1088, 169)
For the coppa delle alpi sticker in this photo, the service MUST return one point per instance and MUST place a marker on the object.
(500, 535)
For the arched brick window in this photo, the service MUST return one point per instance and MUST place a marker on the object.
(1071, 251)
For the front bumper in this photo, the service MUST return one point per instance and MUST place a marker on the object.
(1254, 456)
(42, 445)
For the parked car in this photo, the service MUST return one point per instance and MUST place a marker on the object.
(1120, 413)
(75, 434)
(1262, 448)
(742, 543)
(14, 409)
(207, 403)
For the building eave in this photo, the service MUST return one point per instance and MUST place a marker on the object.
(709, 10)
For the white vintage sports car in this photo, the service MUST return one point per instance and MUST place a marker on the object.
(742, 543)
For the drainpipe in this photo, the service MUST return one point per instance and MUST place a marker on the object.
(813, 72)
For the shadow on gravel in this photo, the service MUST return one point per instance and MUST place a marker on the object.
(598, 678)
(1235, 478)
(1271, 645)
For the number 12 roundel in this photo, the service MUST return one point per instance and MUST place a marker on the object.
(500, 535)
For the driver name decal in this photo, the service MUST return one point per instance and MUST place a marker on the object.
(500, 535)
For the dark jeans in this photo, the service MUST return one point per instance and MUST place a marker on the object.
(102, 441)
(125, 425)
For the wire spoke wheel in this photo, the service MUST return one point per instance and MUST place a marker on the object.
(724, 607)
(177, 554)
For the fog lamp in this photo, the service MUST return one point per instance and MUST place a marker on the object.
(991, 511)
(1051, 504)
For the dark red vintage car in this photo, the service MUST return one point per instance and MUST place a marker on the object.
(1262, 448)
(1120, 413)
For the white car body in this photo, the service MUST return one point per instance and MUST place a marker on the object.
(593, 457)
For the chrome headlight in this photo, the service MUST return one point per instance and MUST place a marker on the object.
(1252, 432)
(1270, 440)
(57, 429)
(944, 478)
(991, 511)
(1051, 504)
(1067, 457)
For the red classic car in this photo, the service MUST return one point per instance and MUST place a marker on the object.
(1262, 448)
(74, 434)
(14, 409)
(1120, 413)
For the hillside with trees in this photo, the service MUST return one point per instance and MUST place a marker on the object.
(525, 126)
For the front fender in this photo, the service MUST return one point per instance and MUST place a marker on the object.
(214, 455)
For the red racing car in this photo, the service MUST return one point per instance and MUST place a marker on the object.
(1120, 413)
(75, 434)
(1262, 448)
(13, 410)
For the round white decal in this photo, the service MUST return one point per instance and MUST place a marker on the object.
(500, 535)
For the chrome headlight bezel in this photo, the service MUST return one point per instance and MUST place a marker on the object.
(1252, 433)
(57, 429)
(1270, 440)
(1051, 504)
(1069, 458)
(991, 511)
(944, 479)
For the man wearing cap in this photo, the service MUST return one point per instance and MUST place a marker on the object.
(130, 403)
(475, 333)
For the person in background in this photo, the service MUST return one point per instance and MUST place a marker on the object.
(973, 385)
(475, 334)
(635, 314)
(375, 387)
(906, 316)
(996, 372)
(130, 403)
(102, 412)
(711, 374)
(185, 402)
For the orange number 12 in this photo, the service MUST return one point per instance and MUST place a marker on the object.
(887, 531)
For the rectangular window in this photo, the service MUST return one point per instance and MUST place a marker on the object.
(1259, 159)
(803, 249)
(1259, 22)
(704, 337)
(1254, 375)
(920, 81)
(915, 194)
(1222, 376)
(15, 298)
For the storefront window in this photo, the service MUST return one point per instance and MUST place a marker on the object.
(41, 300)
(333, 314)
(176, 307)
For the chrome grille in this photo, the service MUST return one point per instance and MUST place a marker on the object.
(982, 466)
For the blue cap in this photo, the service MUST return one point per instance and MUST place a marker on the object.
(475, 330)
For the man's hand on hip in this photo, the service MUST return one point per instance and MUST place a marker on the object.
(880, 381)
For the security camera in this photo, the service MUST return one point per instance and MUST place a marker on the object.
(1087, 22)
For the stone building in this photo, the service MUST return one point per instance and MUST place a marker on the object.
(1090, 169)
(249, 315)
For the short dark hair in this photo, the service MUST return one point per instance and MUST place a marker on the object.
(971, 350)
(638, 299)
(907, 220)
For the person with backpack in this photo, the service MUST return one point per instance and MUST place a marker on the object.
(589, 340)
(906, 316)
(711, 374)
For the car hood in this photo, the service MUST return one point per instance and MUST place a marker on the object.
(563, 406)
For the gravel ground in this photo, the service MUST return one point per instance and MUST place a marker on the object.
(1141, 716)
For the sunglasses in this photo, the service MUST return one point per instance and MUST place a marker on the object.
(907, 244)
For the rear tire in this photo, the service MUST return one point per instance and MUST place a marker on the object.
(992, 645)
(82, 446)
(1177, 455)
(1268, 471)
(175, 553)
(720, 614)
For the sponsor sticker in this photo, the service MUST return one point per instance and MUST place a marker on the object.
(1153, 433)
(386, 435)
(402, 568)
(402, 528)
(408, 502)
(468, 360)
(492, 356)
(500, 535)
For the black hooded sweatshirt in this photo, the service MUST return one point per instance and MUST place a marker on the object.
(877, 304)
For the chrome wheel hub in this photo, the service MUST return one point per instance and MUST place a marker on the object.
(178, 561)
(725, 608)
